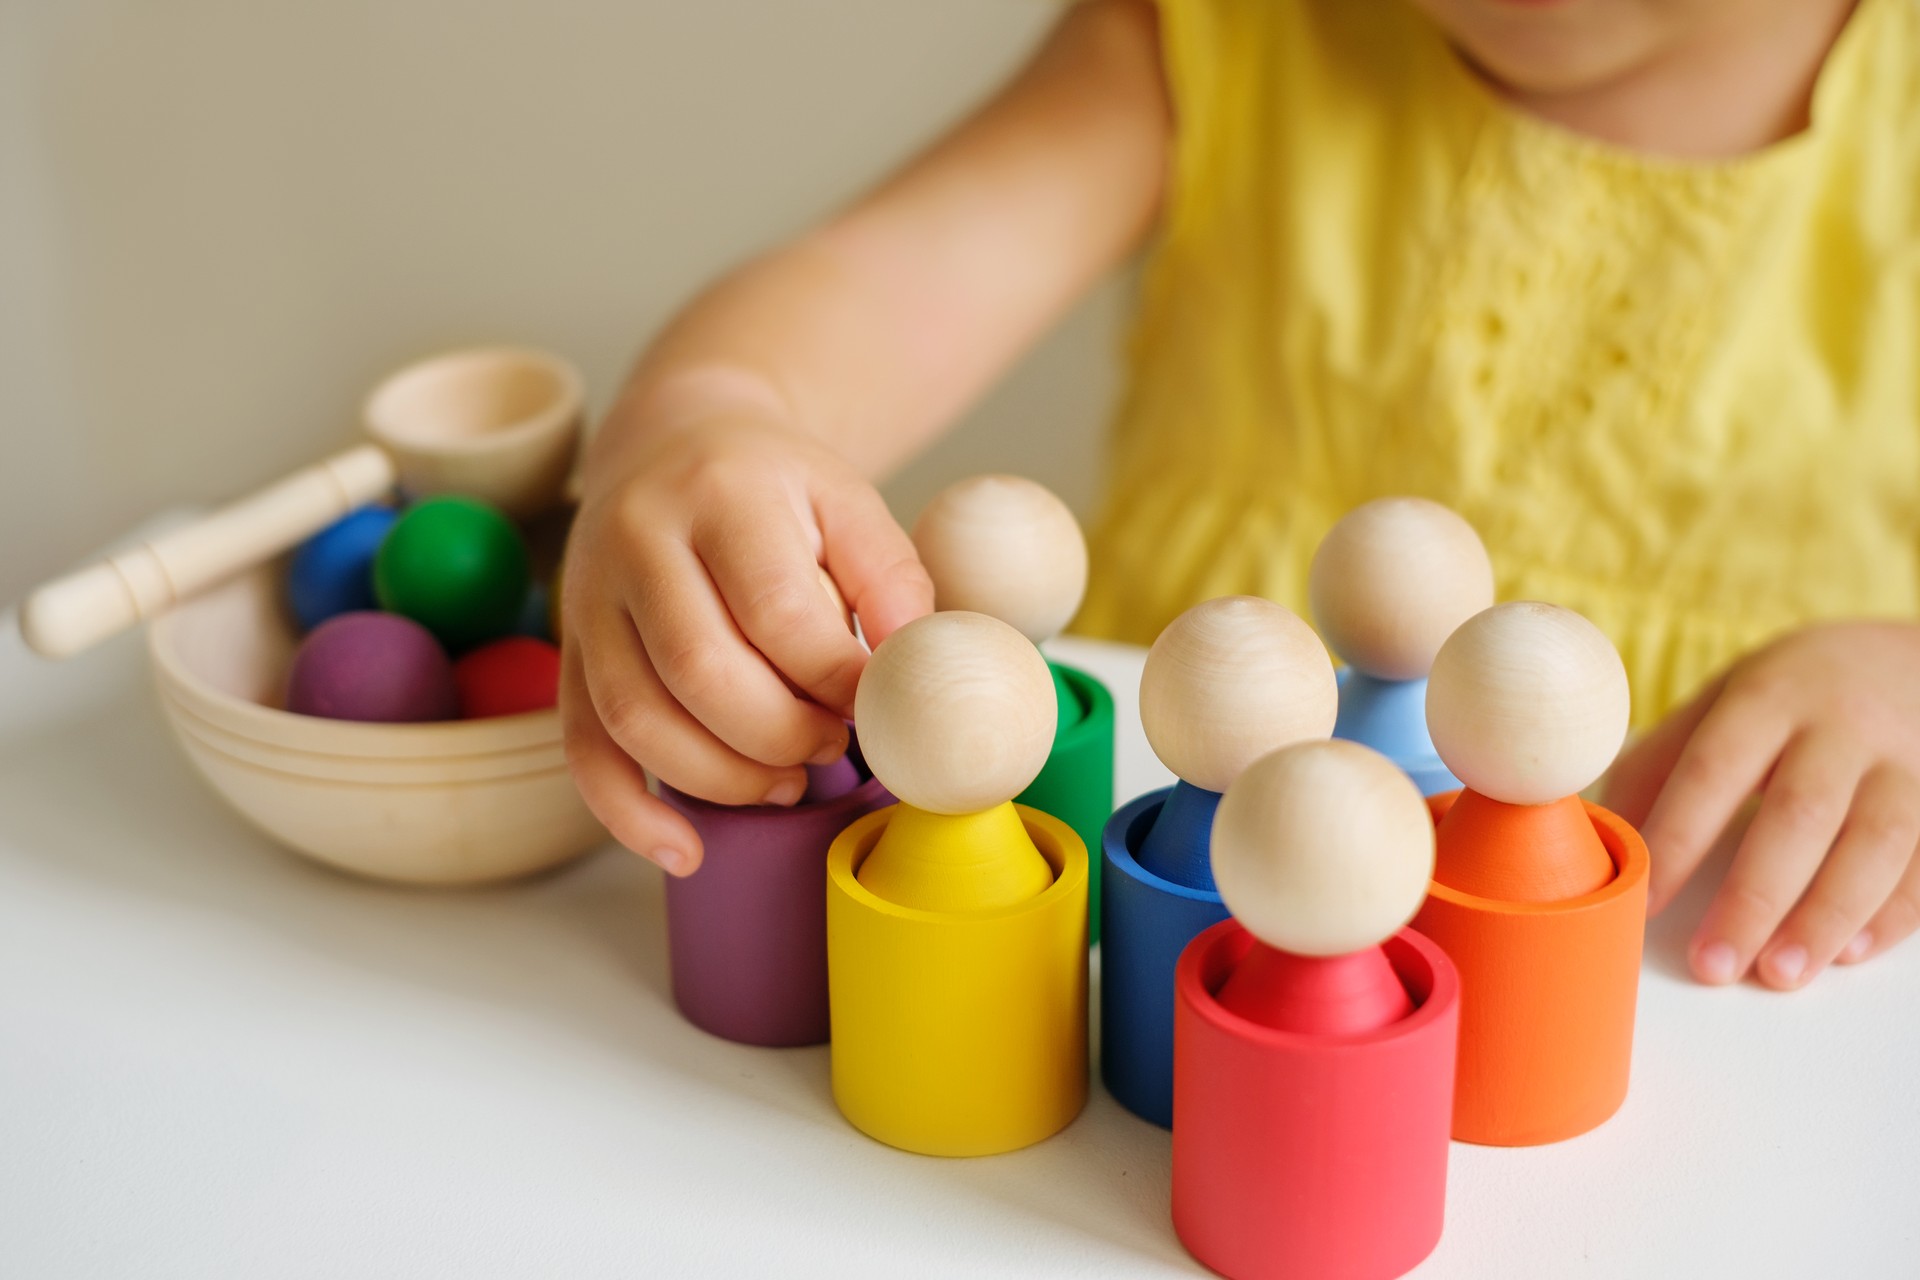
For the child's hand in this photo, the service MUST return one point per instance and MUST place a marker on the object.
(699, 643)
(1825, 723)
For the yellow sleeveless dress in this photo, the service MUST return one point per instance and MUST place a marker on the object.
(1681, 398)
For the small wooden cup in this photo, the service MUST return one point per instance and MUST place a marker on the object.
(1301, 1155)
(962, 1033)
(747, 931)
(500, 424)
(1546, 1033)
(1147, 922)
(1076, 786)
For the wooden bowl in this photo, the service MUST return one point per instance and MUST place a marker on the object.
(456, 803)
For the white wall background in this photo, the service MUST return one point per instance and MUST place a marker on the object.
(222, 220)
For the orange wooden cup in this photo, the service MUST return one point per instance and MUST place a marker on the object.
(1547, 997)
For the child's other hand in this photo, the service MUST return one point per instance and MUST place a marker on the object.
(699, 643)
(1824, 724)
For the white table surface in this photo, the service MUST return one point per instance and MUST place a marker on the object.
(219, 1060)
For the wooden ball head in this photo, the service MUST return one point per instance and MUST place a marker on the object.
(1528, 706)
(829, 781)
(955, 712)
(1230, 680)
(1528, 703)
(832, 590)
(1392, 580)
(1006, 547)
(1323, 848)
(956, 716)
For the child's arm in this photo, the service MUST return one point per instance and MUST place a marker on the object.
(698, 642)
(1825, 724)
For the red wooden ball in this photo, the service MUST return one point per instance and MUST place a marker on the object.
(508, 677)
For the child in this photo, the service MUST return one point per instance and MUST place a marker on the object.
(1635, 287)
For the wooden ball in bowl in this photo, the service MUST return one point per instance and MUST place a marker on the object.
(458, 802)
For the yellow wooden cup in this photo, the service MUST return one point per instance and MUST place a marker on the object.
(959, 1033)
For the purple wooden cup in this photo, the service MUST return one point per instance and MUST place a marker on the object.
(747, 932)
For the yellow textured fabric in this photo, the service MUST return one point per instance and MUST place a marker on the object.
(1683, 399)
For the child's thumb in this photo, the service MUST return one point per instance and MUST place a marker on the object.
(872, 561)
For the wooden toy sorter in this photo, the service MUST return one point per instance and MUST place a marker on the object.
(1310, 1080)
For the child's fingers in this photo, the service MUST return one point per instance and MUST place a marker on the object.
(875, 564)
(1635, 780)
(614, 787)
(1800, 815)
(1892, 924)
(1723, 762)
(1873, 851)
(765, 570)
(641, 716)
(725, 682)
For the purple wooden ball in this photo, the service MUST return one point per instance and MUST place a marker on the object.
(372, 666)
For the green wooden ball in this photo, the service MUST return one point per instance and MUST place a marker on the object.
(455, 566)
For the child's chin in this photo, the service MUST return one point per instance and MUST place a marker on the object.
(1547, 46)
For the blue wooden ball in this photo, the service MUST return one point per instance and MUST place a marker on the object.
(536, 615)
(332, 572)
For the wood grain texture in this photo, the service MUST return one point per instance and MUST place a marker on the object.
(1230, 680)
(1323, 848)
(1007, 547)
(1527, 703)
(956, 712)
(1392, 580)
